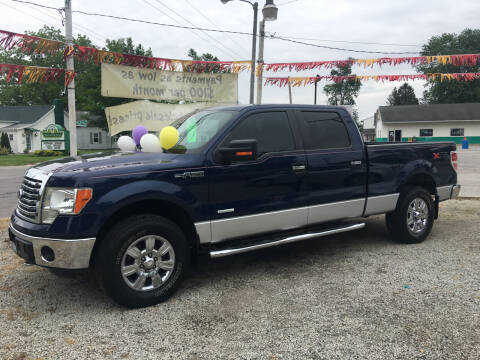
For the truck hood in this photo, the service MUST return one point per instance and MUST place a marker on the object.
(113, 161)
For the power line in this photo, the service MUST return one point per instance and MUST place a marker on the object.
(211, 22)
(39, 5)
(192, 31)
(351, 42)
(32, 16)
(272, 36)
(341, 49)
(287, 2)
(207, 34)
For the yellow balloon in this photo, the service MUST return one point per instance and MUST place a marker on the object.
(168, 137)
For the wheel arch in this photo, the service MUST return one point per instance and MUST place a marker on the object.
(422, 179)
(165, 208)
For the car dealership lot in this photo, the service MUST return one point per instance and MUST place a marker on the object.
(354, 295)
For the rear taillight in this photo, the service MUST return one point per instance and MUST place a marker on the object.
(454, 159)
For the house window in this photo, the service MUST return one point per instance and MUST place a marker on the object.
(10, 136)
(95, 138)
(456, 132)
(426, 132)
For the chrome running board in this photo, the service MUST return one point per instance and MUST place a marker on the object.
(290, 239)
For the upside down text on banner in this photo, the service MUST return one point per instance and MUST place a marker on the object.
(140, 83)
(153, 116)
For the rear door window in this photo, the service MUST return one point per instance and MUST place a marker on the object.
(323, 130)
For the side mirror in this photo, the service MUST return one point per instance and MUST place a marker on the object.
(238, 150)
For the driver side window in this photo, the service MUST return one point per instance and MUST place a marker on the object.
(270, 129)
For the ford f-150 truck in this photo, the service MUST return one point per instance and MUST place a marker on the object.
(240, 178)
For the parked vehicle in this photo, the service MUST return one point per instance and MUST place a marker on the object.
(240, 178)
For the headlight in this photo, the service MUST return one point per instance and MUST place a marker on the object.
(63, 201)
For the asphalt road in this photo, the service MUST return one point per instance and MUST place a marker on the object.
(10, 179)
(357, 295)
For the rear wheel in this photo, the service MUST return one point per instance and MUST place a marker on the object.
(412, 220)
(142, 260)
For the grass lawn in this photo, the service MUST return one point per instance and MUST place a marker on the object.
(23, 159)
(28, 159)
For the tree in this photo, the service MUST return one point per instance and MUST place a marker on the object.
(5, 142)
(205, 57)
(405, 95)
(343, 92)
(87, 80)
(451, 91)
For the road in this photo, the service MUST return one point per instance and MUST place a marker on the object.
(357, 295)
(469, 168)
(10, 179)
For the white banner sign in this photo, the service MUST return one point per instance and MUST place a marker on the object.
(153, 116)
(140, 83)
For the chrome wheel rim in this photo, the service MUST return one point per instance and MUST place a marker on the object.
(417, 216)
(148, 263)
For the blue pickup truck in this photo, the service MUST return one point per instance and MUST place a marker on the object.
(240, 178)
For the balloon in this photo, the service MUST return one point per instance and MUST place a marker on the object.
(126, 143)
(168, 137)
(150, 143)
(138, 132)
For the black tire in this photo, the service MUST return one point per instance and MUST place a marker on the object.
(398, 221)
(112, 255)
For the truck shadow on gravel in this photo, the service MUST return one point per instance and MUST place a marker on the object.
(49, 290)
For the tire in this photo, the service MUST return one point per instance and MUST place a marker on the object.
(412, 220)
(136, 271)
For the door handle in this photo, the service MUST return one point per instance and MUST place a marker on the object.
(355, 163)
(298, 167)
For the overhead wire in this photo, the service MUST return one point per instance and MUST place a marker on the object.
(271, 36)
(30, 15)
(191, 30)
(214, 24)
(207, 34)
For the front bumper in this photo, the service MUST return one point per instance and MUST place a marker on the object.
(448, 192)
(67, 253)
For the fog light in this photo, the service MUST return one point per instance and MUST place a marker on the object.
(47, 254)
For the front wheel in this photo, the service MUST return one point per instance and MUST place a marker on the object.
(412, 220)
(142, 260)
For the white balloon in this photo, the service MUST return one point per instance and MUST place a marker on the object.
(150, 143)
(126, 143)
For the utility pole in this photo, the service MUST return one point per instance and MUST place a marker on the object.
(315, 96)
(289, 90)
(260, 62)
(72, 121)
(254, 55)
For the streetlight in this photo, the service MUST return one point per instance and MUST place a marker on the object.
(254, 44)
(270, 12)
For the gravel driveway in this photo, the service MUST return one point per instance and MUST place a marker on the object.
(350, 296)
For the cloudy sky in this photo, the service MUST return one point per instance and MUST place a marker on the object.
(348, 24)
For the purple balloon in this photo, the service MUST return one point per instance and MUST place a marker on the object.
(138, 132)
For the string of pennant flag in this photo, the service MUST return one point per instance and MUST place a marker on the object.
(299, 81)
(37, 45)
(33, 74)
(32, 44)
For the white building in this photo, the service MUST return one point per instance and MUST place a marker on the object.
(369, 128)
(432, 122)
(24, 123)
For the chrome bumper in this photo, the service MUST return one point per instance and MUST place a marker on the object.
(67, 253)
(448, 192)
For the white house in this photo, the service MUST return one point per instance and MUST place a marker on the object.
(369, 128)
(432, 122)
(24, 123)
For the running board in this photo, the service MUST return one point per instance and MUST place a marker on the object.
(290, 239)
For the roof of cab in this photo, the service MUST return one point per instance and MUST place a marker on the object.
(276, 106)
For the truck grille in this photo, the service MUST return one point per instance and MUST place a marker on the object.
(30, 195)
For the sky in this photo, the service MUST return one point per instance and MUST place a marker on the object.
(348, 24)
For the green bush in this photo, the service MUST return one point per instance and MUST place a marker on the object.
(47, 153)
(5, 142)
(4, 151)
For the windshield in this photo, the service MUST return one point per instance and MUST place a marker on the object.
(196, 131)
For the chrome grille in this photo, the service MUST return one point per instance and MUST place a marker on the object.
(30, 195)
